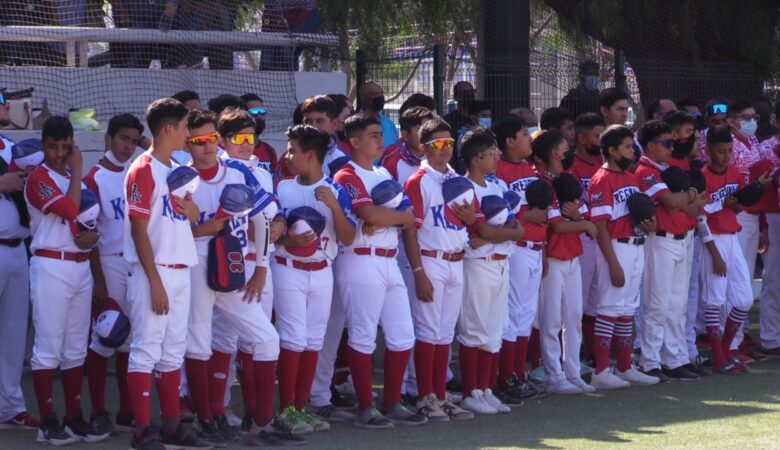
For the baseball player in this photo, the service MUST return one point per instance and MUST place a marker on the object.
(587, 160)
(109, 268)
(668, 255)
(159, 245)
(370, 282)
(486, 277)
(435, 247)
(14, 287)
(770, 290)
(60, 284)
(525, 263)
(265, 153)
(619, 263)
(319, 218)
(726, 280)
(560, 308)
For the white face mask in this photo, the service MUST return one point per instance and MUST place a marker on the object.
(113, 159)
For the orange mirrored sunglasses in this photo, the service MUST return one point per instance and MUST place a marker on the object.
(204, 139)
(442, 143)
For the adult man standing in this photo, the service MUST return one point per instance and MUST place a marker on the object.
(463, 93)
(372, 101)
(585, 97)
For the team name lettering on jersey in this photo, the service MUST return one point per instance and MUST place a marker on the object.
(118, 206)
(722, 193)
(520, 184)
(622, 194)
(440, 220)
(168, 210)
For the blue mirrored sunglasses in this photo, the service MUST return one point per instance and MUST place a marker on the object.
(720, 108)
(258, 111)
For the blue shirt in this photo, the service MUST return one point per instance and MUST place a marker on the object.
(389, 131)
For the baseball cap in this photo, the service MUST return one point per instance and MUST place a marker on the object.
(236, 200)
(26, 155)
(496, 209)
(89, 210)
(182, 180)
(387, 194)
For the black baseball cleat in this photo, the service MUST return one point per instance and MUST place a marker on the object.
(229, 433)
(657, 373)
(79, 429)
(148, 440)
(340, 400)
(102, 421)
(207, 431)
(681, 373)
(51, 432)
(124, 422)
(183, 440)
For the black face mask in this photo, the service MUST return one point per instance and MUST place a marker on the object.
(378, 103)
(568, 159)
(594, 150)
(682, 148)
(624, 163)
(259, 127)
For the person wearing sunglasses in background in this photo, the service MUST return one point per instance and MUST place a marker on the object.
(715, 113)
(266, 154)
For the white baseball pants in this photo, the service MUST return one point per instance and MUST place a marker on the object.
(560, 309)
(485, 292)
(616, 301)
(14, 304)
(770, 287)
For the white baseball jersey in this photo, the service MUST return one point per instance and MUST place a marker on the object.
(401, 162)
(147, 196)
(334, 158)
(206, 196)
(52, 212)
(109, 187)
(504, 248)
(292, 195)
(9, 215)
(359, 182)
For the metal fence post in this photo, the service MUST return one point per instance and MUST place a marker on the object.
(620, 71)
(360, 73)
(439, 75)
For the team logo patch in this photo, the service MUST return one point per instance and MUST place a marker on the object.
(597, 199)
(135, 195)
(45, 191)
(650, 179)
(354, 192)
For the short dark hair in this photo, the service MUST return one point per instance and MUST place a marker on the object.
(435, 125)
(461, 83)
(417, 99)
(613, 136)
(341, 102)
(479, 105)
(716, 101)
(233, 120)
(164, 111)
(356, 124)
(655, 107)
(544, 143)
(719, 135)
(221, 102)
(310, 138)
(651, 130)
(57, 128)
(610, 96)
(507, 128)
(197, 118)
(739, 105)
(676, 119)
(415, 116)
(122, 121)
(554, 118)
(320, 103)
(186, 95)
(250, 97)
(475, 141)
(588, 121)
(298, 115)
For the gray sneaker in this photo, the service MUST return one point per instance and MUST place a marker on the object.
(372, 419)
(333, 414)
(428, 407)
(401, 416)
(316, 423)
(292, 420)
(454, 411)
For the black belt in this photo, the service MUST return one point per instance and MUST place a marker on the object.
(632, 240)
(676, 237)
(10, 242)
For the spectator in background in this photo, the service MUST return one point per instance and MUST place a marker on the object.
(692, 107)
(372, 102)
(529, 118)
(659, 108)
(716, 112)
(560, 120)
(463, 93)
(613, 105)
(138, 14)
(190, 99)
(585, 97)
(764, 110)
(265, 153)
(345, 110)
(224, 101)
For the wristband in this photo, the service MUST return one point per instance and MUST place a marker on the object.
(417, 269)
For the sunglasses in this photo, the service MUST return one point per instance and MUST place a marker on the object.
(492, 152)
(258, 111)
(2, 99)
(204, 139)
(441, 144)
(243, 138)
(668, 143)
(720, 108)
(755, 117)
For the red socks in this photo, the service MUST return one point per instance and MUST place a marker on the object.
(588, 327)
(485, 370)
(121, 360)
(534, 349)
(71, 385)
(423, 367)
(245, 371)
(468, 357)
(168, 390)
(494, 371)
(264, 373)
(441, 360)
(623, 330)
(43, 383)
(603, 330)
(506, 362)
(521, 350)
(289, 361)
(306, 372)
(360, 366)
(198, 382)
(219, 368)
(733, 323)
(395, 366)
(139, 387)
(97, 371)
(712, 322)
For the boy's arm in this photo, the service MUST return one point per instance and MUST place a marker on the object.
(422, 284)
(379, 216)
(605, 244)
(345, 228)
(143, 248)
(99, 289)
(718, 264)
(496, 234)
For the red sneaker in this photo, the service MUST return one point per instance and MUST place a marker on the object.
(23, 420)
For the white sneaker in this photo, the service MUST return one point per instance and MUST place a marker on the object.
(232, 418)
(563, 387)
(582, 385)
(493, 401)
(477, 404)
(606, 380)
(634, 376)
(454, 397)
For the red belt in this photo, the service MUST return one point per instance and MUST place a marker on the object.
(174, 266)
(494, 257)
(300, 265)
(384, 252)
(250, 257)
(10, 242)
(453, 257)
(63, 256)
(537, 246)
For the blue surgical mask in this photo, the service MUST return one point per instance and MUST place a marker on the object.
(748, 128)
(591, 82)
(532, 130)
(485, 122)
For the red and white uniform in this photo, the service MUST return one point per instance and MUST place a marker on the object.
(401, 162)
(60, 279)
(14, 295)
(584, 172)
(266, 156)
(770, 287)
(609, 192)
(334, 158)
(159, 341)
(668, 258)
(303, 287)
(108, 186)
(735, 288)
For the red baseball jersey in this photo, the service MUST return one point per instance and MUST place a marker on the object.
(609, 192)
(266, 155)
(720, 219)
(563, 246)
(52, 212)
(684, 164)
(517, 177)
(649, 174)
(584, 171)
(400, 162)
(770, 157)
